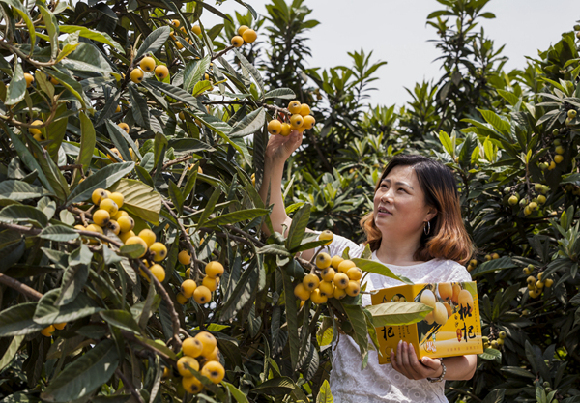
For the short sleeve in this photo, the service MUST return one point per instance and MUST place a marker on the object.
(459, 273)
(339, 244)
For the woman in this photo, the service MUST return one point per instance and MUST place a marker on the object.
(416, 230)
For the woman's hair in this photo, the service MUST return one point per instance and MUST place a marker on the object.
(447, 238)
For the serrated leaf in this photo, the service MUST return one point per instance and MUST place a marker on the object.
(18, 320)
(398, 313)
(23, 214)
(251, 123)
(235, 217)
(493, 119)
(194, 71)
(51, 26)
(58, 233)
(324, 394)
(356, 317)
(153, 42)
(491, 266)
(17, 88)
(139, 108)
(121, 319)
(280, 93)
(253, 71)
(371, 266)
(140, 200)
(200, 87)
(103, 178)
(92, 35)
(17, 190)
(296, 231)
(84, 375)
(171, 91)
(47, 312)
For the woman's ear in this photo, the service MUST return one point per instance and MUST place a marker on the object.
(431, 212)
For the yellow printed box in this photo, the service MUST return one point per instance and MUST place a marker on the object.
(451, 329)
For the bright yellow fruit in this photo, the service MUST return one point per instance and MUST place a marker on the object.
(94, 228)
(208, 341)
(59, 326)
(101, 217)
(98, 195)
(214, 269)
(213, 370)
(548, 282)
(188, 287)
(117, 110)
(242, 29)
(309, 122)
(185, 363)
(36, 131)
(125, 236)
(175, 23)
(345, 266)
(339, 293)
(202, 295)
(428, 298)
(237, 41)
(192, 347)
(326, 288)
(296, 121)
(184, 257)
(147, 64)
(440, 314)
(274, 127)
(114, 227)
(158, 272)
(311, 281)
(161, 72)
(326, 235)
(148, 236)
(318, 297)
(558, 159)
(47, 331)
(158, 251)
(29, 79)
(328, 274)
(135, 240)
(210, 283)
(196, 29)
(109, 206)
(323, 260)
(191, 384)
(294, 107)
(336, 260)
(249, 35)
(340, 280)
(137, 75)
(286, 129)
(126, 223)
(304, 110)
(353, 288)
(301, 292)
(354, 274)
(445, 291)
(182, 299)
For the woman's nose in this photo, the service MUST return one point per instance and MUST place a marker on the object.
(386, 197)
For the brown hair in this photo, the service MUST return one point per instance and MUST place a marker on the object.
(448, 238)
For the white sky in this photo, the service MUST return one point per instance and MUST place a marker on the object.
(396, 32)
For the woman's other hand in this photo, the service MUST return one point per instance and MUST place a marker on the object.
(406, 362)
(280, 148)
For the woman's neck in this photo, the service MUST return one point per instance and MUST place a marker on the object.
(397, 252)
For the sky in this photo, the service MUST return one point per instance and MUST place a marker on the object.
(396, 32)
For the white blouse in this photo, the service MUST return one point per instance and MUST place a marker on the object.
(380, 382)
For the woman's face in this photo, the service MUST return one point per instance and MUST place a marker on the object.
(399, 204)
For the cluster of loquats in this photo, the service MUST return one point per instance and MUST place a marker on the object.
(300, 120)
(110, 218)
(201, 294)
(445, 299)
(196, 29)
(472, 265)
(329, 283)
(148, 65)
(491, 256)
(49, 330)
(528, 205)
(245, 35)
(536, 285)
(493, 341)
(200, 353)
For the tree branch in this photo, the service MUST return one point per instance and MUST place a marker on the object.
(20, 287)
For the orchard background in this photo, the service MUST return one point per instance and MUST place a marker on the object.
(195, 137)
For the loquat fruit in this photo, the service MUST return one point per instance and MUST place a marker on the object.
(296, 121)
(311, 281)
(29, 79)
(353, 288)
(336, 260)
(148, 236)
(36, 131)
(184, 257)
(214, 269)
(192, 347)
(159, 251)
(161, 72)
(114, 227)
(191, 384)
(185, 363)
(109, 206)
(98, 195)
(339, 293)
(301, 292)
(326, 235)
(125, 236)
(286, 129)
(345, 266)
(294, 107)
(94, 228)
(318, 297)
(309, 122)
(158, 272)
(323, 260)
(210, 283)
(326, 288)
(126, 223)
(274, 127)
(304, 110)
(213, 370)
(242, 29)
(237, 41)
(59, 326)
(208, 341)
(147, 64)
(249, 36)
(548, 282)
(118, 198)
(558, 159)
(48, 331)
(137, 75)
(202, 295)
(182, 299)
(188, 287)
(196, 29)
(175, 23)
(354, 274)
(135, 240)
(340, 280)
(327, 274)
(101, 218)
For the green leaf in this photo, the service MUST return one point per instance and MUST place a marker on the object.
(55, 132)
(153, 42)
(235, 217)
(280, 93)
(58, 233)
(324, 394)
(398, 313)
(201, 87)
(84, 375)
(10, 353)
(356, 317)
(23, 12)
(17, 190)
(121, 319)
(446, 142)
(103, 178)
(51, 25)
(291, 318)
(17, 88)
(277, 386)
(509, 369)
(171, 91)
(132, 251)
(194, 71)
(47, 312)
(176, 196)
(88, 141)
(140, 200)
(253, 71)
(92, 35)
(493, 119)
(139, 108)
(491, 266)
(68, 81)
(166, 350)
(241, 294)
(296, 231)
(23, 214)
(371, 266)
(236, 393)
(251, 123)
(120, 138)
(109, 108)
(18, 320)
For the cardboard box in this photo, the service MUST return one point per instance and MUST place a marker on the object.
(452, 329)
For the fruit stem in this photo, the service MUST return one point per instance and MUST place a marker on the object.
(20, 287)
(129, 385)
